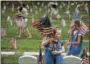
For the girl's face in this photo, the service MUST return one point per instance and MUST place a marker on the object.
(76, 26)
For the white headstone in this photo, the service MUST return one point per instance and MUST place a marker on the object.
(27, 6)
(44, 15)
(45, 7)
(63, 22)
(3, 11)
(78, 6)
(12, 7)
(86, 9)
(40, 9)
(31, 10)
(8, 18)
(71, 60)
(36, 12)
(4, 7)
(27, 59)
(63, 4)
(76, 10)
(68, 6)
(67, 12)
(68, 2)
(56, 3)
(60, 6)
(32, 19)
(38, 3)
(11, 23)
(42, 5)
(48, 10)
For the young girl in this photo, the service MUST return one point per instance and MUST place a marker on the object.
(19, 21)
(53, 49)
(25, 14)
(75, 40)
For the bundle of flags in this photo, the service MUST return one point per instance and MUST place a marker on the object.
(40, 59)
(84, 61)
(84, 56)
(44, 26)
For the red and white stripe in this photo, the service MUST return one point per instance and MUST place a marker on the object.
(84, 28)
(47, 31)
(84, 61)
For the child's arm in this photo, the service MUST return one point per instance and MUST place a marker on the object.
(60, 51)
(45, 41)
(75, 43)
(19, 13)
(78, 40)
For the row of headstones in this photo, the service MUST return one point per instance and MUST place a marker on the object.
(40, 8)
(29, 59)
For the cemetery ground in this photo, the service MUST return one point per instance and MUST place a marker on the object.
(27, 45)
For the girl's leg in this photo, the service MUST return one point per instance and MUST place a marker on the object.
(20, 31)
(26, 30)
(29, 34)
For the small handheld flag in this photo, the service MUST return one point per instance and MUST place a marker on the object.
(13, 43)
(40, 60)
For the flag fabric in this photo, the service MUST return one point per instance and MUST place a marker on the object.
(84, 61)
(13, 43)
(40, 60)
(44, 26)
(84, 56)
(47, 31)
(84, 28)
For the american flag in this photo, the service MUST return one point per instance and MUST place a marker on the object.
(84, 61)
(13, 43)
(84, 28)
(44, 26)
(40, 60)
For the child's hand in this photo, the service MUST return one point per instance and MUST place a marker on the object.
(67, 43)
(54, 52)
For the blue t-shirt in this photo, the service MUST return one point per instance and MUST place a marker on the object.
(49, 58)
(75, 49)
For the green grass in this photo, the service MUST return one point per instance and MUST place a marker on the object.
(27, 44)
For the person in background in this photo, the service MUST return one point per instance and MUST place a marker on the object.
(19, 21)
(76, 40)
(25, 26)
(3, 32)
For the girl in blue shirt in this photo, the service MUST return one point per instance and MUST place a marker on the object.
(75, 40)
(53, 49)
